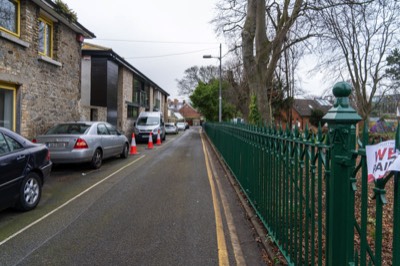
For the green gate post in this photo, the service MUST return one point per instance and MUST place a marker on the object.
(342, 120)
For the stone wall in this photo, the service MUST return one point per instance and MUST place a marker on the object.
(85, 111)
(48, 91)
(125, 90)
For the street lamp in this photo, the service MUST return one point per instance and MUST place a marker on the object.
(220, 80)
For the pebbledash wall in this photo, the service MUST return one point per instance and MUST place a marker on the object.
(45, 89)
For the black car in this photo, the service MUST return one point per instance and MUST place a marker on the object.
(24, 166)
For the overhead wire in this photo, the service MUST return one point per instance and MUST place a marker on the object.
(148, 41)
(160, 42)
(167, 55)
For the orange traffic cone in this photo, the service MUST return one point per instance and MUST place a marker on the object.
(158, 139)
(133, 145)
(150, 144)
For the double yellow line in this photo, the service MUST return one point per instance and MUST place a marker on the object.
(221, 241)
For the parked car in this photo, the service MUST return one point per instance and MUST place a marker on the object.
(24, 167)
(80, 142)
(149, 122)
(170, 128)
(181, 126)
(186, 125)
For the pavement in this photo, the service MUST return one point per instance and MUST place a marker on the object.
(272, 255)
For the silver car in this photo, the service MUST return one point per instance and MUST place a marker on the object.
(78, 142)
(170, 128)
(181, 126)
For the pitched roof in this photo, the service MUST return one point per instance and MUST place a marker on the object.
(188, 111)
(94, 47)
(178, 115)
(305, 106)
(51, 8)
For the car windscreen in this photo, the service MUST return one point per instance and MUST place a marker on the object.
(148, 121)
(68, 129)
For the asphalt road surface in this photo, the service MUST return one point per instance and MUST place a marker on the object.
(171, 205)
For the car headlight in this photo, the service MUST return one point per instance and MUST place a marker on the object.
(155, 131)
(136, 131)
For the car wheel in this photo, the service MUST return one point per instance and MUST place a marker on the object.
(30, 192)
(125, 151)
(96, 159)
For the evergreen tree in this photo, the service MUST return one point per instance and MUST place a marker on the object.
(254, 114)
(393, 70)
(316, 117)
(205, 99)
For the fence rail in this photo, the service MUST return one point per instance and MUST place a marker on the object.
(311, 190)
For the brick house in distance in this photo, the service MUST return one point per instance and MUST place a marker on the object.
(191, 116)
(115, 91)
(40, 65)
(300, 112)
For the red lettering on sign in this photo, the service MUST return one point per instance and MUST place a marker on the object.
(392, 153)
(380, 154)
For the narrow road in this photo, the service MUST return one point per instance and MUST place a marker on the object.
(167, 206)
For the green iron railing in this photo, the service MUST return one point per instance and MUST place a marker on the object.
(377, 225)
(282, 173)
(311, 192)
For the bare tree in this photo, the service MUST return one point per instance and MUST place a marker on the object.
(260, 28)
(285, 86)
(229, 22)
(237, 92)
(194, 75)
(265, 33)
(358, 38)
(269, 28)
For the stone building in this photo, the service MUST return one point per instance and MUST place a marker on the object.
(115, 91)
(40, 65)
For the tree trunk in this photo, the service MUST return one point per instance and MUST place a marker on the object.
(254, 65)
(260, 62)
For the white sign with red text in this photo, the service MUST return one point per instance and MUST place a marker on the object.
(382, 158)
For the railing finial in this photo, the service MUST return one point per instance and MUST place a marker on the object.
(341, 112)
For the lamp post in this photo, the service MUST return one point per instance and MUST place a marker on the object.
(220, 80)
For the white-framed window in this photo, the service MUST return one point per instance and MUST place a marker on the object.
(7, 106)
(9, 16)
(45, 37)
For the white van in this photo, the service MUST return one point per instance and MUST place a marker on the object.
(149, 122)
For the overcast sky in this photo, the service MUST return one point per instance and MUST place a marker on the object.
(163, 38)
(160, 38)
